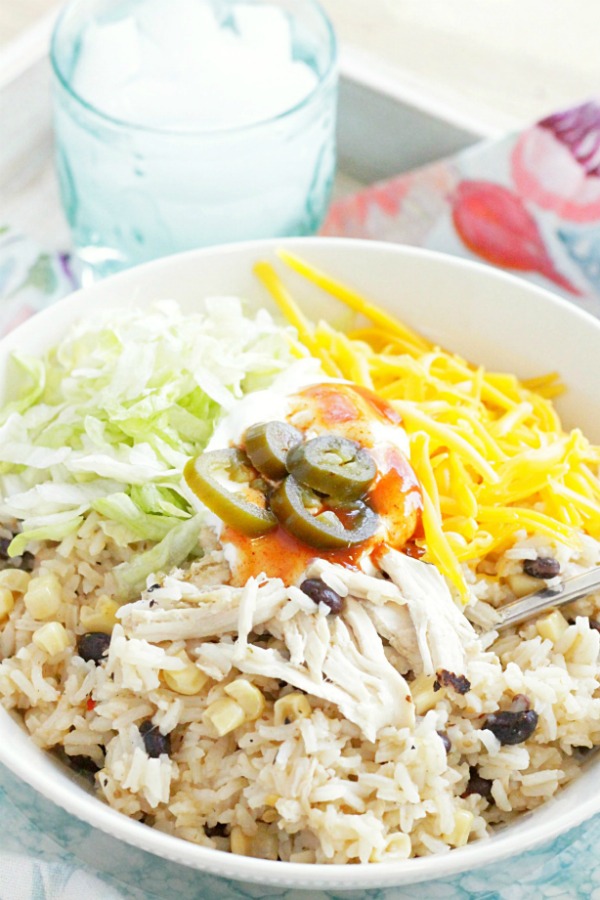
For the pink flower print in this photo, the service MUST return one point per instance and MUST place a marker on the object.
(352, 217)
(494, 223)
(556, 164)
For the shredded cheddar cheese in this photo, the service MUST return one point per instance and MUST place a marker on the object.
(489, 450)
(294, 315)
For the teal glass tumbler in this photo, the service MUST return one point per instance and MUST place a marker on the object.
(133, 192)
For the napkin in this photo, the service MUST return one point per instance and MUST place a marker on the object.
(30, 278)
(530, 204)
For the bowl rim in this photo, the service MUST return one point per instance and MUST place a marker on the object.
(314, 876)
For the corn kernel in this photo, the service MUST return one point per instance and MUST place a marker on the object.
(269, 816)
(7, 602)
(291, 707)
(225, 715)
(186, 681)
(102, 617)
(264, 844)
(570, 636)
(16, 580)
(248, 696)
(397, 846)
(239, 842)
(552, 626)
(423, 694)
(571, 653)
(522, 584)
(43, 597)
(463, 821)
(52, 638)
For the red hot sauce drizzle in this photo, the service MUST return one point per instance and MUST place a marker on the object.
(395, 494)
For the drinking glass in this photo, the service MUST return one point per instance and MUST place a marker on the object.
(133, 192)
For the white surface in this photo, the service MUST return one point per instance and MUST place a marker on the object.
(500, 63)
(488, 316)
(18, 15)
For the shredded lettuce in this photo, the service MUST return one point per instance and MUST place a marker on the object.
(54, 532)
(174, 548)
(120, 508)
(31, 375)
(107, 419)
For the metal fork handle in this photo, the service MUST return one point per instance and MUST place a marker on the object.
(533, 604)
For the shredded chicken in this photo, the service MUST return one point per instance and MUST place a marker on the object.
(216, 611)
(393, 623)
(212, 569)
(382, 600)
(352, 581)
(442, 630)
(338, 658)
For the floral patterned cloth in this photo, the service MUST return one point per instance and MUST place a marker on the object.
(30, 279)
(530, 204)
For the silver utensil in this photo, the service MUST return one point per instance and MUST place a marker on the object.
(533, 604)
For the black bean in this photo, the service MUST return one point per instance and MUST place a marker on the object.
(84, 764)
(445, 741)
(512, 727)
(218, 830)
(582, 753)
(93, 646)
(478, 785)
(27, 563)
(542, 567)
(444, 678)
(155, 743)
(319, 592)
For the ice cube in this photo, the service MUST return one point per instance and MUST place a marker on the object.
(300, 81)
(109, 57)
(151, 101)
(266, 28)
(181, 29)
(173, 64)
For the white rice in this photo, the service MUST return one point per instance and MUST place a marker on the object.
(314, 789)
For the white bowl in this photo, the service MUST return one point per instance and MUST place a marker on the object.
(487, 316)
